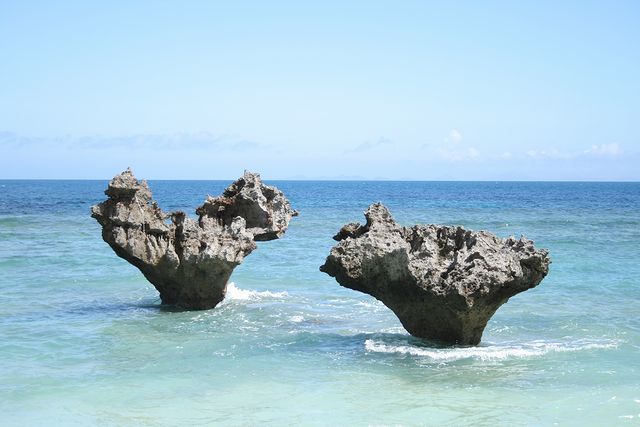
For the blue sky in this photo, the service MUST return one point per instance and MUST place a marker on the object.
(325, 90)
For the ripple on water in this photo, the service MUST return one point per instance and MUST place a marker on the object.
(82, 327)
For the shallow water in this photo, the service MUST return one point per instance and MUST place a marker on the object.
(85, 340)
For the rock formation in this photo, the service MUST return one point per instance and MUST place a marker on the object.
(443, 283)
(190, 261)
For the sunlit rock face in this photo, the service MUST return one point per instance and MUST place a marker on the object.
(443, 283)
(190, 261)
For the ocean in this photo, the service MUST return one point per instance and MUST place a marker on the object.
(85, 341)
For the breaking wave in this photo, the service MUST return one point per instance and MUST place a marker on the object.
(236, 294)
(488, 353)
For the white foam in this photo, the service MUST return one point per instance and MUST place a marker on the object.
(373, 304)
(237, 294)
(488, 353)
(296, 319)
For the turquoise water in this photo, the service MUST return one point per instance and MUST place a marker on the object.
(86, 342)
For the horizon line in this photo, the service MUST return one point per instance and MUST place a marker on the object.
(335, 180)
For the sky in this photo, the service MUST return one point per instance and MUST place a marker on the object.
(402, 90)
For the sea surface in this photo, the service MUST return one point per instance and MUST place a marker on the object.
(85, 341)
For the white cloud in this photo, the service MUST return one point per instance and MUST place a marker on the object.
(455, 136)
(452, 150)
(604, 150)
(458, 154)
(506, 155)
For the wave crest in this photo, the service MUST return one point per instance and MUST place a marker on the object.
(489, 353)
(236, 294)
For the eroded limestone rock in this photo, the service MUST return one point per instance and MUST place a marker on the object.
(190, 261)
(443, 283)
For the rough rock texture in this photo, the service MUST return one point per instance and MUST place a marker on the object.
(443, 283)
(190, 261)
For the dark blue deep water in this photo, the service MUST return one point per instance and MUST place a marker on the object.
(84, 340)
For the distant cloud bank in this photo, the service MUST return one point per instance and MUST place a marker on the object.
(370, 145)
(602, 150)
(164, 142)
